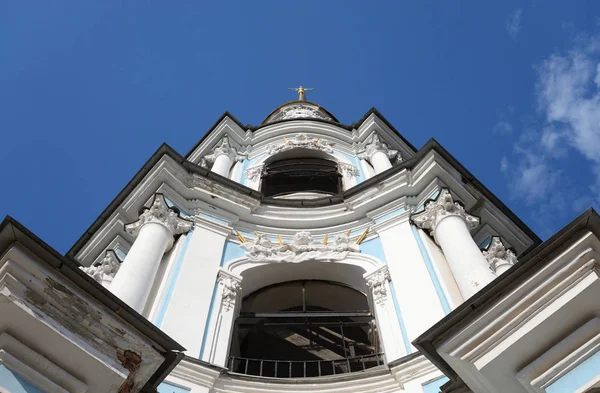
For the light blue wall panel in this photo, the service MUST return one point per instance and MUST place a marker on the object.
(578, 377)
(172, 280)
(14, 383)
(168, 388)
(431, 270)
(374, 248)
(231, 251)
(434, 386)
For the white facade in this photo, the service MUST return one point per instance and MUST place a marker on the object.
(224, 246)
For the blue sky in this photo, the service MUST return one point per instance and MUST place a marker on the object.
(89, 90)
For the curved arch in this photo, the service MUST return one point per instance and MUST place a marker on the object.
(367, 262)
(335, 156)
(359, 266)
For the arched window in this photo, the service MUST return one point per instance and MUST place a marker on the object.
(305, 328)
(300, 170)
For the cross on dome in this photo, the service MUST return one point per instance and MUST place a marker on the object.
(301, 91)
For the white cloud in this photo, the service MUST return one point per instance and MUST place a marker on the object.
(569, 97)
(502, 128)
(513, 23)
(568, 124)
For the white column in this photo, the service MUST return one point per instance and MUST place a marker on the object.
(380, 161)
(222, 165)
(222, 157)
(155, 229)
(378, 153)
(236, 171)
(229, 289)
(450, 225)
(367, 169)
(498, 256)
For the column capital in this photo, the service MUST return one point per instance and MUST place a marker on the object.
(231, 287)
(160, 213)
(376, 282)
(105, 270)
(254, 173)
(348, 170)
(374, 144)
(223, 147)
(498, 256)
(438, 209)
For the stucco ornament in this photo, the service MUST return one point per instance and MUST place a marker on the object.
(499, 257)
(376, 282)
(105, 270)
(301, 249)
(231, 287)
(160, 213)
(254, 173)
(301, 140)
(374, 144)
(223, 147)
(348, 170)
(300, 111)
(438, 209)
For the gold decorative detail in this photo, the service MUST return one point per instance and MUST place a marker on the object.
(325, 239)
(280, 240)
(348, 233)
(240, 236)
(362, 237)
(301, 91)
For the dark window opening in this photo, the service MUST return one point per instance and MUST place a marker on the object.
(301, 175)
(306, 340)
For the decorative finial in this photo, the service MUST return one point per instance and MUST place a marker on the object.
(301, 92)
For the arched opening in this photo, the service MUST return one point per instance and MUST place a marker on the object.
(300, 170)
(304, 328)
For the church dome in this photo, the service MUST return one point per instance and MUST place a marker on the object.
(299, 109)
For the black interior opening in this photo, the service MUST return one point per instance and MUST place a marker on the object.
(301, 175)
(306, 328)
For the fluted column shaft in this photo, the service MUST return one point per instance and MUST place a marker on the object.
(155, 230)
(450, 226)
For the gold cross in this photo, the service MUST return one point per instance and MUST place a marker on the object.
(301, 91)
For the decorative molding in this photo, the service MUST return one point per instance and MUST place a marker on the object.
(300, 111)
(231, 286)
(348, 170)
(301, 140)
(37, 369)
(160, 213)
(438, 209)
(498, 255)
(223, 147)
(254, 173)
(374, 144)
(376, 281)
(301, 249)
(105, 270)
(218, 190)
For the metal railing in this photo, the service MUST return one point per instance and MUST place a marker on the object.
(302, 368)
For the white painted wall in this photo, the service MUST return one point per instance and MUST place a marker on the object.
(190, 301)
(417, 298)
